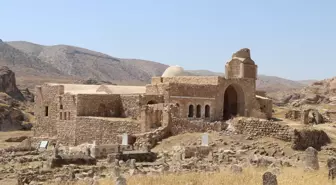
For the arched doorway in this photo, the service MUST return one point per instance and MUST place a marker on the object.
(233, 101)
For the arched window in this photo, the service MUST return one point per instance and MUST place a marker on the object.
(207, 111)
(191, 111)
(198, 111)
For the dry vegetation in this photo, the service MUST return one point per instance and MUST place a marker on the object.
(251, 176)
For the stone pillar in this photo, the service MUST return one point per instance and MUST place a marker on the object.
(242, 70)
(144, 119)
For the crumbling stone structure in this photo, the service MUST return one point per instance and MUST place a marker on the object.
(76, 114)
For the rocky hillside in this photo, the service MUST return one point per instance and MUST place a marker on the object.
(13, 104)
(319, 92)
(82, 63)
(35, 64)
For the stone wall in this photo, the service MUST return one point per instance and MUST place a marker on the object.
(196, 80)
(103, 105)
(130, 106)
(261, 93)
(193, 90)
(104, 130)
(151, 117)
(266, 106)
(47, 109)
(180, 126)
(294, 115)
(257, 127)
(232, 69)
(248, 70)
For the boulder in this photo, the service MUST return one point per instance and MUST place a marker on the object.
(8, 83)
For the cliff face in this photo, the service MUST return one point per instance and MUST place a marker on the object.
(8, 84)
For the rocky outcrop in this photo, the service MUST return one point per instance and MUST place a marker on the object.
(12, 118)
(8, 83)
(309, 138)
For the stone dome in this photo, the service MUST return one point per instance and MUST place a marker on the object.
(173, 71)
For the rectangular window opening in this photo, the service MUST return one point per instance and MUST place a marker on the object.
(46, 111)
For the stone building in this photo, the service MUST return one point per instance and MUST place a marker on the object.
(75, 113)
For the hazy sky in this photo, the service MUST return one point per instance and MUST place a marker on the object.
(293, 39)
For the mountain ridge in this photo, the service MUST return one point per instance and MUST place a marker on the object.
(70, 63)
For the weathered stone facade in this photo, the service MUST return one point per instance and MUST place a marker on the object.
(77, 114)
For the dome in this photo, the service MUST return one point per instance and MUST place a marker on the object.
(173, 71)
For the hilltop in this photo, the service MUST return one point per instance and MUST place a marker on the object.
(35, 64)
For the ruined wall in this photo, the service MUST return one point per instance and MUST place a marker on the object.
(266, 106)
(261, 93)
(102, 105)
(151, 117)
(180, 126)
(248, 70)
(294, 115)
(232, 69)
(256, 127)
(130, 106)
(104, 130)
(150, 99)
(47, 109)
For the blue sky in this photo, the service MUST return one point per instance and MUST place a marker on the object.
(293, 39)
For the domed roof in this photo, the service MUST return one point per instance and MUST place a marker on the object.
(173, 71)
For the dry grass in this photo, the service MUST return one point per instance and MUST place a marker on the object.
(251, 176)
(6, 135)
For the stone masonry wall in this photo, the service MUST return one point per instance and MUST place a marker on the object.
(104, 130)
(180, 126)
(255, 127)
(130, 106)
(98, 105)
(47, 109)
(193, 90)
(195, 80)
(294, 115)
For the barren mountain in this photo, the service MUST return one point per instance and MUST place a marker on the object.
(266, 83)
(35, 64)
(83, 64)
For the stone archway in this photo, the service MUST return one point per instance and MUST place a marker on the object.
(234, 101)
